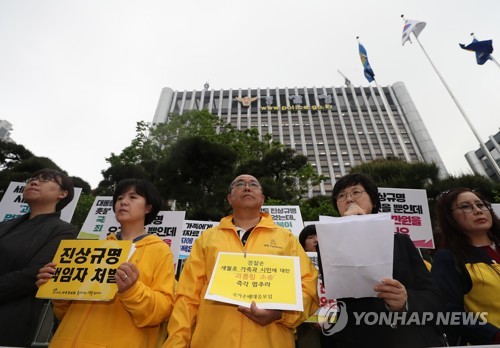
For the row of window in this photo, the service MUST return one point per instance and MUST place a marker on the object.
(225, 101)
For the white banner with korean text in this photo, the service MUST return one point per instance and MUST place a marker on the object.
(287, 216)
(410, 211)
(191, 231)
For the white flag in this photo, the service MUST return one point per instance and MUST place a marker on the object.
(414, 27)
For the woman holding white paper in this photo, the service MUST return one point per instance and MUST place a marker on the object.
(411, 288)
(144, 301)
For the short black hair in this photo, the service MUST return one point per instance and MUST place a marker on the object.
(63, 180)
(309, 230)
(357, 179)
(145, 189)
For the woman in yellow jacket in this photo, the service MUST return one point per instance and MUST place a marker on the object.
(145, 284)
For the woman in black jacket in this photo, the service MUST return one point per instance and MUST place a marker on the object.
(410, 290)
(26, 244)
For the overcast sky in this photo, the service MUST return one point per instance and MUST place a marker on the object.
(76, 76)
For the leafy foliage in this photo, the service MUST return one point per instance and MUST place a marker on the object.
(12, 154)
(394, 172)
(312, 208)
(196, 174)
(192, 159)
(82, 209)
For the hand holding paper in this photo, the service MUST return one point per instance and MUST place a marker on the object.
(393, 293)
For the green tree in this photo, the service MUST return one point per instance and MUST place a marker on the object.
(196, 175)
(397, 173)
(284, 174)
(193, 157)
(12, 153)
(82, 209)
(312, 208)
(487, 187)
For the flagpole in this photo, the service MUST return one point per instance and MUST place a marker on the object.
(481, 144)
(393, 122)
(494, 60)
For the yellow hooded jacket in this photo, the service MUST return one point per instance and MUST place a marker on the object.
(196, 322)
(132, 318)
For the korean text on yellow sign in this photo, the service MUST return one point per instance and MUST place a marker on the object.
(271, 281)
(85, 270)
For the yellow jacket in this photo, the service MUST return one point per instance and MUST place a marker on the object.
(196, 322)
(132, 318)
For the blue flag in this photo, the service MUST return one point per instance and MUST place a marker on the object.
(483, 50)
(369, 74)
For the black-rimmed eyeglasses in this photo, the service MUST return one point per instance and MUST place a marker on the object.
(41, 178)
(469, 208)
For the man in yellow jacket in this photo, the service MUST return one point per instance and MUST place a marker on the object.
(197, 322)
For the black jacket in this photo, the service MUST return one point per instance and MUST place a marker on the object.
(423, 296)
(25, 246)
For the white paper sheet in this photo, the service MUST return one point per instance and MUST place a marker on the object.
(356, 253)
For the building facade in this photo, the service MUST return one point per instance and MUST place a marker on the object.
(335, 127)
(5, 128)
(480, 163)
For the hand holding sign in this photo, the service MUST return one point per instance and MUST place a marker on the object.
(86, 270)
(45, 273)
(127, 276)
(262, 317)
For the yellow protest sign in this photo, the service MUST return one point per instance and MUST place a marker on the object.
(85, 270)
(272, 281)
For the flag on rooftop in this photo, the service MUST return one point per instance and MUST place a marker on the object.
(414, 27)
(483, 50)
(369, 74)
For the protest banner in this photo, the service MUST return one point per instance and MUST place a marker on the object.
(410, 211)
(85, 270)
(101, 210)
(191, 231)
(272, 281)
(287, 216)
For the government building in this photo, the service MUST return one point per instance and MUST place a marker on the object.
(480, 163)
(335, 127)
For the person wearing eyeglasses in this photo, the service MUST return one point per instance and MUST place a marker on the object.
(26, 244)
(410, 289)
(200, 323)
(467, 267)
(137, 315)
